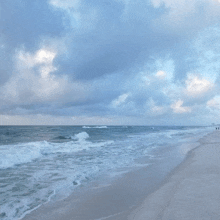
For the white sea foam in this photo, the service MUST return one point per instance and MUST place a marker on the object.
(81, 136)
(23, 153)
(95, 127)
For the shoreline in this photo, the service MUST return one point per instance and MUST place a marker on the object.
(114, 200)
(191, 190)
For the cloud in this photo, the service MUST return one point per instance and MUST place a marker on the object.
(161, 74)
(214, 104)
(65, 4)
(35, 83)
(178, 108)
(43, 58)
(196, 86)
(184, 21)
(185, 14)
(213, 109)
(120, 100)
(46, 119)
(205, 53)
(134, 60)
(24, 24)
(105, 43)
(155, 110)
(80, 15)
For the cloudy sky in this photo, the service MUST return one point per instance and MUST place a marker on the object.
(142, 62)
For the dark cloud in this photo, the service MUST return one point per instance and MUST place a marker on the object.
(103, 51)
(124, 36)
(23, 24)
(113, 43)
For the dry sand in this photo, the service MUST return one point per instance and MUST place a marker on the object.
(192, 192)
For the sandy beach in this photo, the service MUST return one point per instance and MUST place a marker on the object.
(191, 191)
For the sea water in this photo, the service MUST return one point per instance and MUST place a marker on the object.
(39, 162)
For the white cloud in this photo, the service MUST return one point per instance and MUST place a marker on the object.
(176, 5)
(164, 71)
(178, 9)
(206, 53)
(178, 108)
(217, 1)
(120, 100)
(43, 59)
(156, 109)
(161, 74)
(165, 68)
(65, 4)
(214, 103)
(183, 15)
(71, 7)
(35, 82)
(44, 56)
(196, 86)
(45, 85)
(156, 3)
(80, 15)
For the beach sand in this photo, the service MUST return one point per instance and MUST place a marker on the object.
(190, 191)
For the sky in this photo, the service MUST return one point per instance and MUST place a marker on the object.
(109, 62)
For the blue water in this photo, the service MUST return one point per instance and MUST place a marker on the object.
(39, 162)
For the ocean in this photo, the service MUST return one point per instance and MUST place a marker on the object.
(42, 163)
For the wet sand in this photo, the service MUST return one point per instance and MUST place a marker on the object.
(190, 191)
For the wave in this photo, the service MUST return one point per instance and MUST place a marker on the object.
(81, 136)
(186, 132)
(21, 153)
(11, 155)
(62, 138)
(94, 127)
